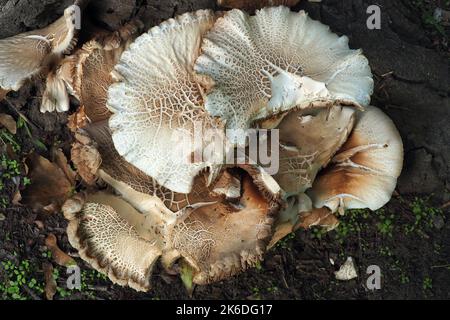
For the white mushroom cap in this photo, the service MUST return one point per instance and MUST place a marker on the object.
(276, 60)
(23, 56)
(118, 169)
(160, 100)
(364, 172)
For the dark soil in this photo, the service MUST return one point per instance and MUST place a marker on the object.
(409, 239)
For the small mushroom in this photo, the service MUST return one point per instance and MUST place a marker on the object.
(159, 101)
(278, 60)
(36, 52)
(364, 172)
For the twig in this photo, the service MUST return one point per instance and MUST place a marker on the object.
(20, 114)
(441, 266)
(445, 205)
(31, 293)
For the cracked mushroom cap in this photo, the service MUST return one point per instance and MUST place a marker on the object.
(364, 172)
(159, 101)
(222, 239)
(25, 55)
(308, 141)
(276, 60)
(123, 236)
(109, 234)
(205, 228)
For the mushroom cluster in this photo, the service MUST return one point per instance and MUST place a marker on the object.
(278, 72)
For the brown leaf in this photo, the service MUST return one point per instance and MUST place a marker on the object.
(50, 282)
(49, 185)
(8, 122)
(322, 217)
(60, 160)
(86, 159)
(252, 5)
(3, 94)
(59, 256)
(78, 120)
(17, 198)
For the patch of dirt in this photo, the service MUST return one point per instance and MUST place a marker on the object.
(409, 58)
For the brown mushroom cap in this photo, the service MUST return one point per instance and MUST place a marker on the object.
(87, 73)
(308, 141)
(364, 172)
(222, 239)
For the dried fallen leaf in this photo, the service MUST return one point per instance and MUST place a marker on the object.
(59, 256)
(49, 186)
(39, 224)
(50, 282)
(17, 198)
(61, 161)
(2, 217)
(255, 4)
(8, 122)
(281, 231)
(3, 94)
(78, 120)
(318, 217)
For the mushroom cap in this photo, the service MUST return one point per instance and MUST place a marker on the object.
(108, 234)
(23, 56)
(308, 141)
(276, 60)
(87, 73)
(223, 238)
(364, 172)
(159, 101)
(204, 228)
(119, 169)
